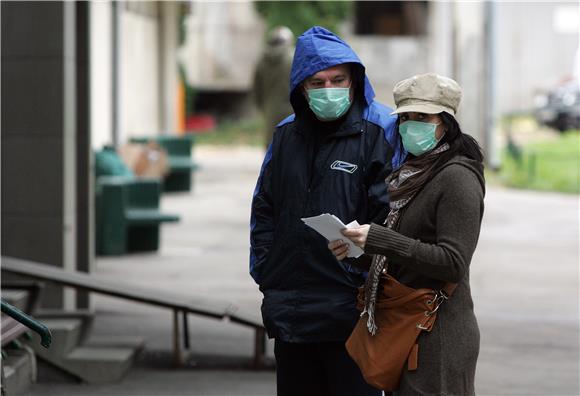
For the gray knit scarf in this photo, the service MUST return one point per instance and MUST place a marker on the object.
(379, 263)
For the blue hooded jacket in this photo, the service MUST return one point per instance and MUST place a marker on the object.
(318, 49)
(310, 168)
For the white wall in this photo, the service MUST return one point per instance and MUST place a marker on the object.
(389, 60)
(223, 43)
(536, 43)
(101, 77)
(148, 72)
(471, 73)
(170, 81)
(140, 60)
(535, 46)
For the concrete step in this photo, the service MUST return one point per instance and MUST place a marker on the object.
(94, 360)
(92, 364)
(66, 335)
(98, 364)
(17, 298)
(117, 341)
(19, 370)
(86, 317)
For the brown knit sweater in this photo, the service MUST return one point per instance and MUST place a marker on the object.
(433, 245)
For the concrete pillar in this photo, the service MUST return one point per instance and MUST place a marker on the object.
(471, 68)
(39, 201)
(440, 38)
(85, 239)
(169, 77)
(101, 80)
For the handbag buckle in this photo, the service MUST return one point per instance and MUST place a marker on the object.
(438, 299)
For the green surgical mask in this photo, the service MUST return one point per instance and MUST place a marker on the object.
(418, 137)
(329, 104)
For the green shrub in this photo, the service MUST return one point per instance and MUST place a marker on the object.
(235, 132)
(301, 15)
(552, 165)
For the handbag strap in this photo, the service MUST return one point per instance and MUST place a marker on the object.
(442, 295)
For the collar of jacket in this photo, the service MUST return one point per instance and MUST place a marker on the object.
(352, 124)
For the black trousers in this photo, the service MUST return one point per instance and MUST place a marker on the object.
(318, 369)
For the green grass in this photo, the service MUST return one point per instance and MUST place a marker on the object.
(552, 165)
(234, 132)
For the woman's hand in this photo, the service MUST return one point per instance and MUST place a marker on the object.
(338, 248)
(357, 234)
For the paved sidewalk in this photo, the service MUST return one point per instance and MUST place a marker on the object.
(524, 281)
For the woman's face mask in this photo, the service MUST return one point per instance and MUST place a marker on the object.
(418, 137)
(329, 104)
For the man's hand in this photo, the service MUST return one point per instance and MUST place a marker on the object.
(338, 248)
(357, 234)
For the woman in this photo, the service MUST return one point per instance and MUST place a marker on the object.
(431, 231)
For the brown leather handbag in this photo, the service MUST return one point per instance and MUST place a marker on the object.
(401, 314)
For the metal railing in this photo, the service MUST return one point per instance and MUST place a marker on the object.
(28, 321)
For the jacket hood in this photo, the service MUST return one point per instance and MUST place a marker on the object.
(318, 49)
(475, 166)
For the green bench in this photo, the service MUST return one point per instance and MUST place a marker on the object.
(127, 211)
(179, 156)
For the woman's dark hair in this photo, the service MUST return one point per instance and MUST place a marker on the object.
(459, 142)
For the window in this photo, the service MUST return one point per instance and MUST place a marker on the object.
(391, 18)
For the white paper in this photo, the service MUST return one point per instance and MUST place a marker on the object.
(330, 227)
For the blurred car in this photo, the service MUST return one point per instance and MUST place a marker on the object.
(559, 107)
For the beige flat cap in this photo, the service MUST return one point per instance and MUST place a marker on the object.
(427, 93)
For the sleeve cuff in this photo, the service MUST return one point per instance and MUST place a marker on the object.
(382, 240)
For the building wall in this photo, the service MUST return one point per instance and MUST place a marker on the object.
(148, 79)
(536, 46)
(169, 29)
(39, 139)
(223, 42)
(470, 68)
(454, 50)
(140, 71)
(101, 73)
(389, 60)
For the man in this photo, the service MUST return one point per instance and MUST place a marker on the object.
(331, 156)
(271, 79)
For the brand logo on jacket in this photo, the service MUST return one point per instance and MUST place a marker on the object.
(343, 166)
